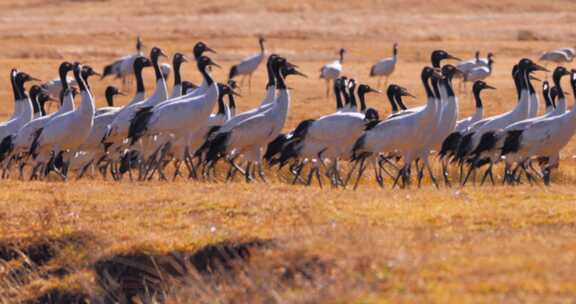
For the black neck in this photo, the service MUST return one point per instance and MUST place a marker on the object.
(477, 99)
(547, 97)
(362, 97)
(139, 80)
(280, 84)
(79, 80)
(344, 93)
(448, 85)
(42, 109)
(558, 84)
(436, 61)
(22, 94)
(85, 76)
(400, 102)
(435, 87)
(391, 97)
(206, 75)
(63, 80)
(519, 83)
(221, 106)
(352, 97)
(339, 104)
(177, 77)
(157, 70)
(271, 80)
(110, 99)
(35, 104)
(231, 101)
(529, 83)
(427, 88)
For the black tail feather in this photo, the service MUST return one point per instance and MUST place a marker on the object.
(464, 147)
(291, 150)
(207, 141)
(139, 124)
(275, 146)
(512, 142)
(450, 145)
(6, 147)
(217, 147)
(487, 143)
(290, 147)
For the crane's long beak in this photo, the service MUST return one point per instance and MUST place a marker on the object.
(296, 72)
(210, 50)
(214, 64)
(34, 79)
(454, 57)
(406, 93)
(538, 67)
(534, 78)
(490, 87)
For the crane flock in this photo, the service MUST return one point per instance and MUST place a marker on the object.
(197, 125)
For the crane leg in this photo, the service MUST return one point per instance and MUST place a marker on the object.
(547, 175)
(249, 83)
(378, 173)
(177, 164)
(317, 170)
(247, 172)
(445, 173)
(360, 172)
(310, 175)
(349, 175)
(487, 174)
(432, 178)
(261, 173)
(472, 168)
(400, 174)
(327, 88)
(297, 172)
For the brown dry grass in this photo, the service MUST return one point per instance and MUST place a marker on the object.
(451, 245)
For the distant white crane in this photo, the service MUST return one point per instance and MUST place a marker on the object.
(332, 70)
(385, 67)
(248, 66)
(124, 67)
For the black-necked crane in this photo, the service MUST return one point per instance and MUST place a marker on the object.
(332, 70)
(248, 65)
(124, 67)
(67, 132)
(385, 67)
(544, 138)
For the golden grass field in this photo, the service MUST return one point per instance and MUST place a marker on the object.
(195, 242)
